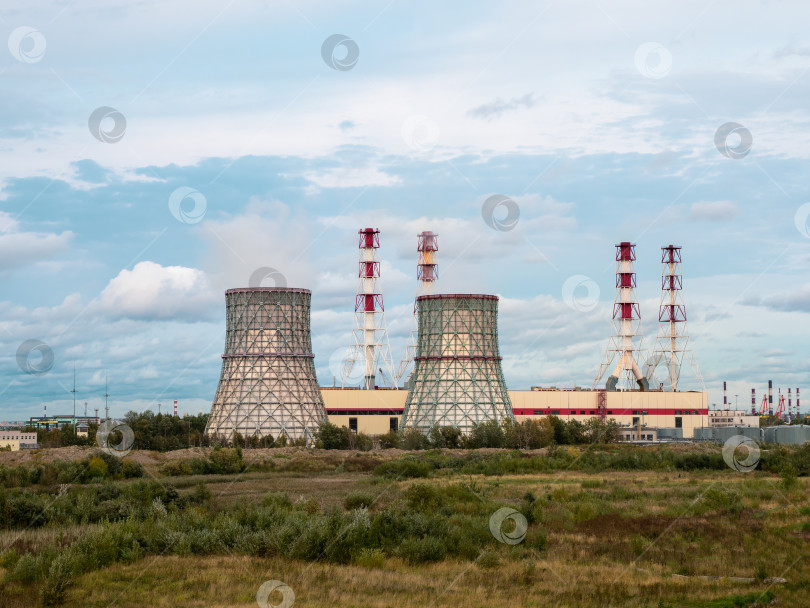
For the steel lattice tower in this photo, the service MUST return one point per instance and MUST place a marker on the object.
(369, 334)
(672, 344)
(457, 378)
(427, 272)
(626, 326)
(268, 385)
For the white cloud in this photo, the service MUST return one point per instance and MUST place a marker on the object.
(19, 249)
(150, 290)
(713, 211)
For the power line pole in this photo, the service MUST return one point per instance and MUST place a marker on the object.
(106, 394)
(74, 393)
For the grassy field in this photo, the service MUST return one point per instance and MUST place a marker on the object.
(341, 530)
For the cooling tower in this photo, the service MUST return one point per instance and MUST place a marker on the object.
(457, 378)
(268, 384)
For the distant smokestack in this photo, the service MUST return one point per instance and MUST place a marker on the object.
(725, 398)
(753, 400)
(45, 407)
(797, 401)
(770, 392)
(790, 400)
(175, 408)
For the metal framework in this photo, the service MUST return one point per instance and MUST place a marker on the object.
(457, 378)
(672, 344)
(427, 272)
(626, 326)
(369, 334)
(268, 385)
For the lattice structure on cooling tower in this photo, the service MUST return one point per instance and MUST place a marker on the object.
(457, 378)
(268, 384)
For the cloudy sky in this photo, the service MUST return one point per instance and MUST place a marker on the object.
(154, 154)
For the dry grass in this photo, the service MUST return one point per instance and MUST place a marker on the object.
(635, 539)
(219, 582)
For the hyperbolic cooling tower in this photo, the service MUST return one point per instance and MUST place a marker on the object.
(457, 378)
(268, 384)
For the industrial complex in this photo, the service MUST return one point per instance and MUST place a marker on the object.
(451, 372)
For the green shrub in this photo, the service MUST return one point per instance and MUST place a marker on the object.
(390, 440)
(420, 550)
(423, 497)
(370, 558)
(96, 467)
(403, 469)
(357, 500)
(489, 559)
(362, 442)
(414, 439)
(333, 437)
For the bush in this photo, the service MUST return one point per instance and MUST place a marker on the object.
(132, 469)
(371, 558)
(420, 550)
(333, 437)
(390, 440)
(357, 500)
(423, 497)
(362, 442)
(403, 469)
(414, 439)
(97, 468)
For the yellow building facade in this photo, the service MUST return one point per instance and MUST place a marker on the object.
(378, 411)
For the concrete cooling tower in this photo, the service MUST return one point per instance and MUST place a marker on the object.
(268, 384)
(457, 378)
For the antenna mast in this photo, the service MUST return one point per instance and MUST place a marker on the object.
(369, 334)
(626, 326)
(672, 344)
(427, 272)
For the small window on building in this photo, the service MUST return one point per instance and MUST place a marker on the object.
(555, 412)
(610, 412)
(635, 420)
(538, 412)
(678, 422)
(353, 425)
(393, 423)
(635, 412)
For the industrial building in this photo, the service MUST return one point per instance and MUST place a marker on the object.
(376, 412)
(17, 440)
(268, 385)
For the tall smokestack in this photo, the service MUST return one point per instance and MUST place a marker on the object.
(770, 398)
(797, 403)
(725, 398)
(753, 401)
(175, 408)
